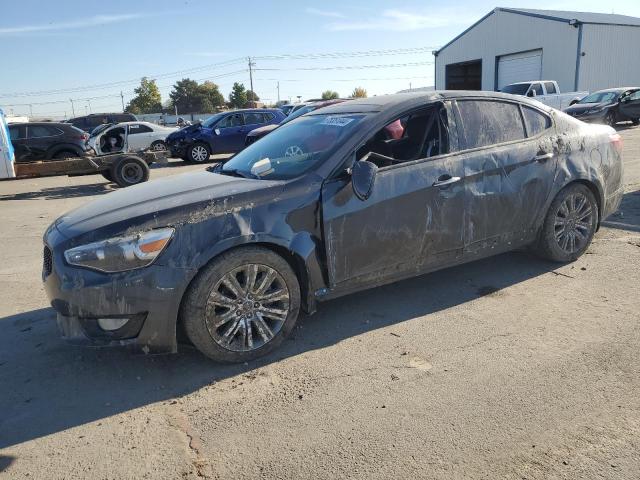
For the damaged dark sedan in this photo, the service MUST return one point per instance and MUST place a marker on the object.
(329, 204)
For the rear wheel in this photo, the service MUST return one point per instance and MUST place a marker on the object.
(199, 153)
(130, 171)
(242, 305)
(65, 154)
(158, 146)
(570, 224)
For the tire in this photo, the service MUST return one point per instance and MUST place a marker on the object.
(107, 175)
(199, 153)
(247, 315)
(635, 121)
(158, 146)
(569, 225)
(610, 119)
(64, 154)
(130, 171)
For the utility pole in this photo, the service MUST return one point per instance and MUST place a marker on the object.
(73, 110)
(122, 98)
(251, 64)
(278, 92)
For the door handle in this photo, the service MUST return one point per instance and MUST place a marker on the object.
(543, 157)
(444, 180)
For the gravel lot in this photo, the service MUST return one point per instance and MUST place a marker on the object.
(507, 368)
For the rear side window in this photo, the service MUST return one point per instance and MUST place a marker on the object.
(253, 118)
(39, 131)
(535, 121)
(487, 123)
(550, 87)
(137, 128)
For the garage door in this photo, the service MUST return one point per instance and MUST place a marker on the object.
(519, 67)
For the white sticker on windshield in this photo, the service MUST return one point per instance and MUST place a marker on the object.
(337, 121)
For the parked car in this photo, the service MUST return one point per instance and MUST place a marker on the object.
(324, 206)
(609, 106)
(222, 133)
(46, 140)
(286, 109)
(89, 122)
(260, 132)
(545, 91)
(129, 137)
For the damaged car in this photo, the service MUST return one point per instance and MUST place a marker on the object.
(327, 205)
(609, 106)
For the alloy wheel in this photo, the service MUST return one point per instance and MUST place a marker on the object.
(247, 307)
(573, 223)
(199, 153)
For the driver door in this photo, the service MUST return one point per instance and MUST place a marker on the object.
(411, 222)
(230, 134)
(630, 105)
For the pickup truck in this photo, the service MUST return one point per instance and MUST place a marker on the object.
(545, 91)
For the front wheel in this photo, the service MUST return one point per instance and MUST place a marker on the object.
(199, 153)
(570, 224)
(242, 305)
(610, 119)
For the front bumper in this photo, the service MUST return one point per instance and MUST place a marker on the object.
(178, 148)
(149, 298)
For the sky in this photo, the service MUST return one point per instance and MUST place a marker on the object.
(90, 51)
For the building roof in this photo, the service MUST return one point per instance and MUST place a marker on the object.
(558, 16)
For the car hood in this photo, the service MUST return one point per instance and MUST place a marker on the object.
(185, 131)
(583, 107)
(167, 201)
(257, 132)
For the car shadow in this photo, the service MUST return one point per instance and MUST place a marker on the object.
(62, 192)
(49, 386)
(628, 215)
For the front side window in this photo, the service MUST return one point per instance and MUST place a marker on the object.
(294, 148)
(487, 123)
(634, 96)
(234, 120)
(536, 87)
(535, 121)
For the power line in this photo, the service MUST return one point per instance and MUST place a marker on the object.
(345, 67)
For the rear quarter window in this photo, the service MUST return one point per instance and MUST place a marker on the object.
(536, 122)
(486, 122)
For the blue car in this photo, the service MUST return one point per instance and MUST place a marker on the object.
(222, 133)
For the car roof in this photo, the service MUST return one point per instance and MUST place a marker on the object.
(415, 99)
(249, 110)
(55, 124)
(617, 89)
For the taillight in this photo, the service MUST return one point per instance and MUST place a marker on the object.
(616, 142)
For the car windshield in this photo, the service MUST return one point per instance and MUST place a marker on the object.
(516, 89)
(99, 129)
(293, 149)
(211, 121)
(600, 97)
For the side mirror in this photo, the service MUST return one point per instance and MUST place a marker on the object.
(363, 176)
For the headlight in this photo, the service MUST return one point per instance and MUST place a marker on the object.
(119, 254)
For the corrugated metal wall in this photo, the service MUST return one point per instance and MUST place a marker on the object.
(503, 33)
(612, 57)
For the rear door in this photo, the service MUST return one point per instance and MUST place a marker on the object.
(230, 134)
(139, 137)
(508, 171)
(630, 105)
(413, 219)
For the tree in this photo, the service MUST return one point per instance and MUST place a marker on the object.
(190, 97)
(252, 96)
(359, 92)
(238, 95)
(329, 95)
(147, 99)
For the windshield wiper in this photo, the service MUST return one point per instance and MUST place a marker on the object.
(233, 172)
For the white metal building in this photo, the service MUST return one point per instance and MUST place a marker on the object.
(581, 51)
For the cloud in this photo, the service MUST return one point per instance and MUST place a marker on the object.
(87, 22)
(401, 21)
(324, 13)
